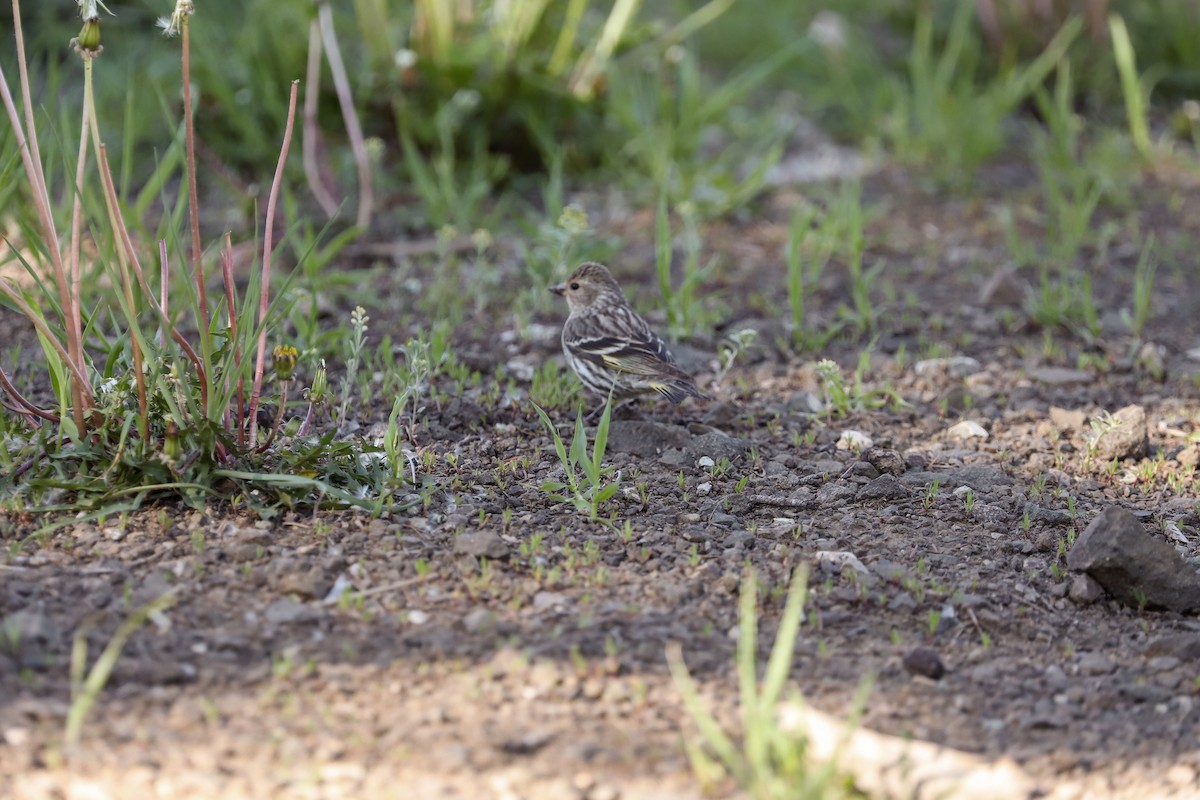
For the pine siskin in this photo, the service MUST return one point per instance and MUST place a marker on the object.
(610, 347)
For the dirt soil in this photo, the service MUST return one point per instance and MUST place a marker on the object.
(496, 644)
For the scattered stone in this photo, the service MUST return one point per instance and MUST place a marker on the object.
(1085, 590)
(645, 439)
(885, 460)
(983, 478)
(854, 440)
(1095, 664)
(309, 584)
(967, 429)
(1067, 419)
(481, 544)
(890, 571)
(550, 601)
(1058, 376)
(835, 493)
(1004, 288)
(1181, 775)
(286, 611)
(1133, 566)
(884, 487)
(716, 446)
(1189, 456)
(861, 469)
(958, 366)
(924, 661)
(839, 561)
(1050, 516)
(1122, 436)
(477, 620)
(704, 462)
(1184, 646)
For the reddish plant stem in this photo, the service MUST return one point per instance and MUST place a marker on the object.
(264, 300)
(23, 407)
(193, 201)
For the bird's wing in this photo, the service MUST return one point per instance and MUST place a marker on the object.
(623, 342)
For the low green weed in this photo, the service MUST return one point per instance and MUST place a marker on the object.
(587, 486)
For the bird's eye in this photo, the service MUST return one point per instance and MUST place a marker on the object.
(574, 286)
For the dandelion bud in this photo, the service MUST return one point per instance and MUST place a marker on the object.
(319, 391)
(89, 35)
(171, 445)
(285, 357)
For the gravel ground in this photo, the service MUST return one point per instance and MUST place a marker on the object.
(496, 644)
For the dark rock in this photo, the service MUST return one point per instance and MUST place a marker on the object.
(1184, 646)
(1144, 693)
(1124, 436)
(1133, 566)
(886, 461)
(716, 446)
(982, 478)
(883, 487)
(481, 544)
(836, 493)
(861, 469)
(1050, 516)
(645, 439)
(926, 662)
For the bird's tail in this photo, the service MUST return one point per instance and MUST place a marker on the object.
(677, 390)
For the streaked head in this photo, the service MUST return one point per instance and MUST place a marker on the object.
(588, 284)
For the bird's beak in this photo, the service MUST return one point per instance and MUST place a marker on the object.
(559, 289)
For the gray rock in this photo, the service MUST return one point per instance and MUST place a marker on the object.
(1058, 376)
(478, 620)
(1085, 590)
(883, 487)
(835, 493)
(286, 611)
(1125, 437)
(645, 439)
(1051, 516)
(1133, 566)
(481, 544)
(1095, 664)
(1184, 646)
(716, 446)
(982, 478)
